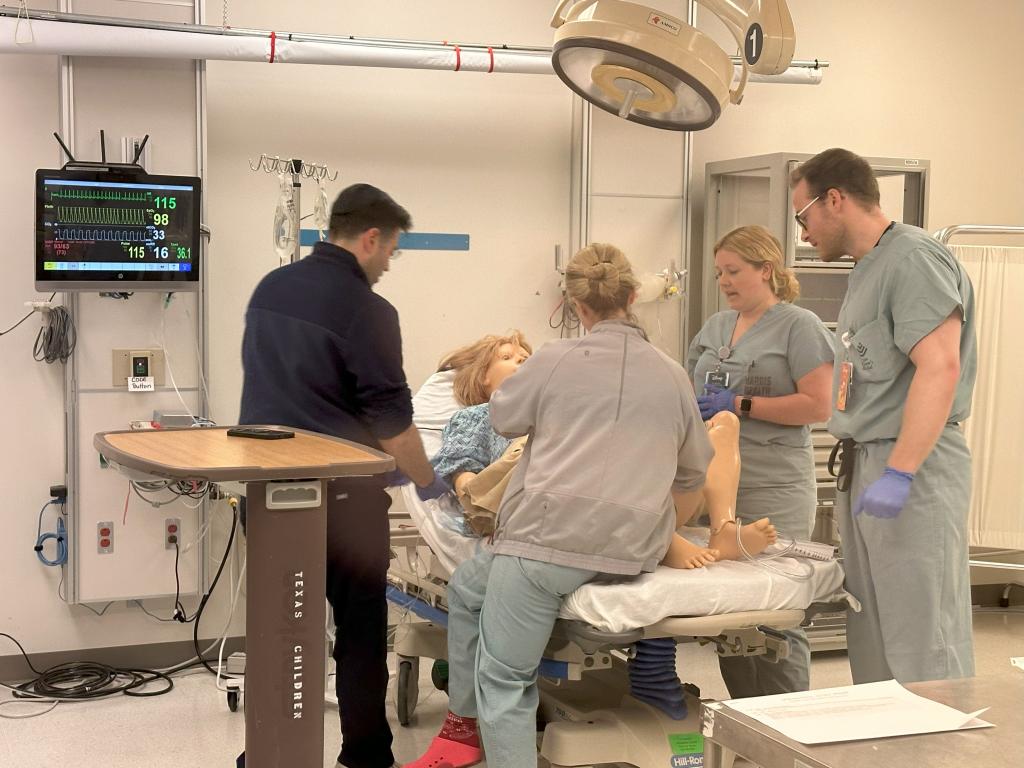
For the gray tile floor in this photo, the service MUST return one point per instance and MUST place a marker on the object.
(192, 726)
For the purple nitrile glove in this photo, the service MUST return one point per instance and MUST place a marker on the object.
(887, 496)
(714, 400)
(436, 489)
(395, 478)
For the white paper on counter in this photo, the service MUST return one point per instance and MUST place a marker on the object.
(854, 712)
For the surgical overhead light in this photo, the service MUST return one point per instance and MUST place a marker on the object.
(654, 69)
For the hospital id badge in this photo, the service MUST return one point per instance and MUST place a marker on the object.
(717, 378)
(845, 383)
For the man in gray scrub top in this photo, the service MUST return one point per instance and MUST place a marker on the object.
(770, 362)
(902, 386)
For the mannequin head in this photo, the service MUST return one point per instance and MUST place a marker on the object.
(482, 366)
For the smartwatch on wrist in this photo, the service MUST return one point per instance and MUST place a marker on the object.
(745, 404)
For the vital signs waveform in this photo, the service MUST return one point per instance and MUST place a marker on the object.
(94, 235)
(99, 194)
(110, 216)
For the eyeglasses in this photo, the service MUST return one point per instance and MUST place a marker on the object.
(396, 254)
(803, 210)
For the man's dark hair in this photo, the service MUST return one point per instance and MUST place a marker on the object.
(838, 169)
(361, 207)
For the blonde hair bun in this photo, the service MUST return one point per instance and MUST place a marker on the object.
(601, 277)
(601, 271)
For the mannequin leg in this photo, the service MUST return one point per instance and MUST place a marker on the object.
(720, 493)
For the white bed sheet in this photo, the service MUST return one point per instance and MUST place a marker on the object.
(723, 587)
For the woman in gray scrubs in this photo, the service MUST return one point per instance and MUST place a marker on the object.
(770, 362)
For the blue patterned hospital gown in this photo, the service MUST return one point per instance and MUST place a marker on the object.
(468, 443)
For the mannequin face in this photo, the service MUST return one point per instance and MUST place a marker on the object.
(505, 362)
(744, 286)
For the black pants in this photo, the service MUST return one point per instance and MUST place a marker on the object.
(358, 553)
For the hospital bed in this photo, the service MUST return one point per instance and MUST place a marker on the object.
(610, 636)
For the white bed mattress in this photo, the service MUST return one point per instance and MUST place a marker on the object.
(723, 587)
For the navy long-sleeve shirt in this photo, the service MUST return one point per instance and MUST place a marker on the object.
(323, 352)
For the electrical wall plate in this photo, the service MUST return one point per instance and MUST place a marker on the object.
(172, 532)
(105, 537)
(137, 362)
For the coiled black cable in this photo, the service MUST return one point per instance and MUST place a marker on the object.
(85, 680)
(57, 338)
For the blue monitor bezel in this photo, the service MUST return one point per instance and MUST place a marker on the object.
(123, 280)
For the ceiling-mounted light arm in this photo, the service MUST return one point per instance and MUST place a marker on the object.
(557, 19)
(652, 68)
(763, 30)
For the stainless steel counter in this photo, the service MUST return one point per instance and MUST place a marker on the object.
(1001, 747)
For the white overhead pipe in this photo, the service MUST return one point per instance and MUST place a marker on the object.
(43, 32)
(80, 39)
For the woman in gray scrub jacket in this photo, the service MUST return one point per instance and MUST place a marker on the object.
(616, 448)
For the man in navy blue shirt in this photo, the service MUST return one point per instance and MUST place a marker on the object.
(323, 352)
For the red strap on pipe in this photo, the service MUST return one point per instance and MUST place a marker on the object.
(458, 59)
(273, 45)
(490, 52)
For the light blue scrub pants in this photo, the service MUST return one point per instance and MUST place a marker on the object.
(791, 510)
(501, 610)
(910, 572)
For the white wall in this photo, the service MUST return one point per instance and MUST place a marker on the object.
(32, 456)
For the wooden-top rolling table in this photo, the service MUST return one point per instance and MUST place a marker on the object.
(286, 532)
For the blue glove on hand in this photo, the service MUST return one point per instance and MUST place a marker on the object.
(887, 496)
(437, 488)
(714, 400)
(395, 478)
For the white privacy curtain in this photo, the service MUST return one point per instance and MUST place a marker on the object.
(995, 430)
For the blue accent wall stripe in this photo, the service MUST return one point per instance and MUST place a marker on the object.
(411, 241)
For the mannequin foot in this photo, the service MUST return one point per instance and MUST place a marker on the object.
(756, 537)
(685, 554)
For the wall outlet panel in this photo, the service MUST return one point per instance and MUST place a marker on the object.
(142, 566)
(105, 537)
(172, 533)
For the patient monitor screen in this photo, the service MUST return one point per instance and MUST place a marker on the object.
(115, 231)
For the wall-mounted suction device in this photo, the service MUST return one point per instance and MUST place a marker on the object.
(661, 286)
(654, 69)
